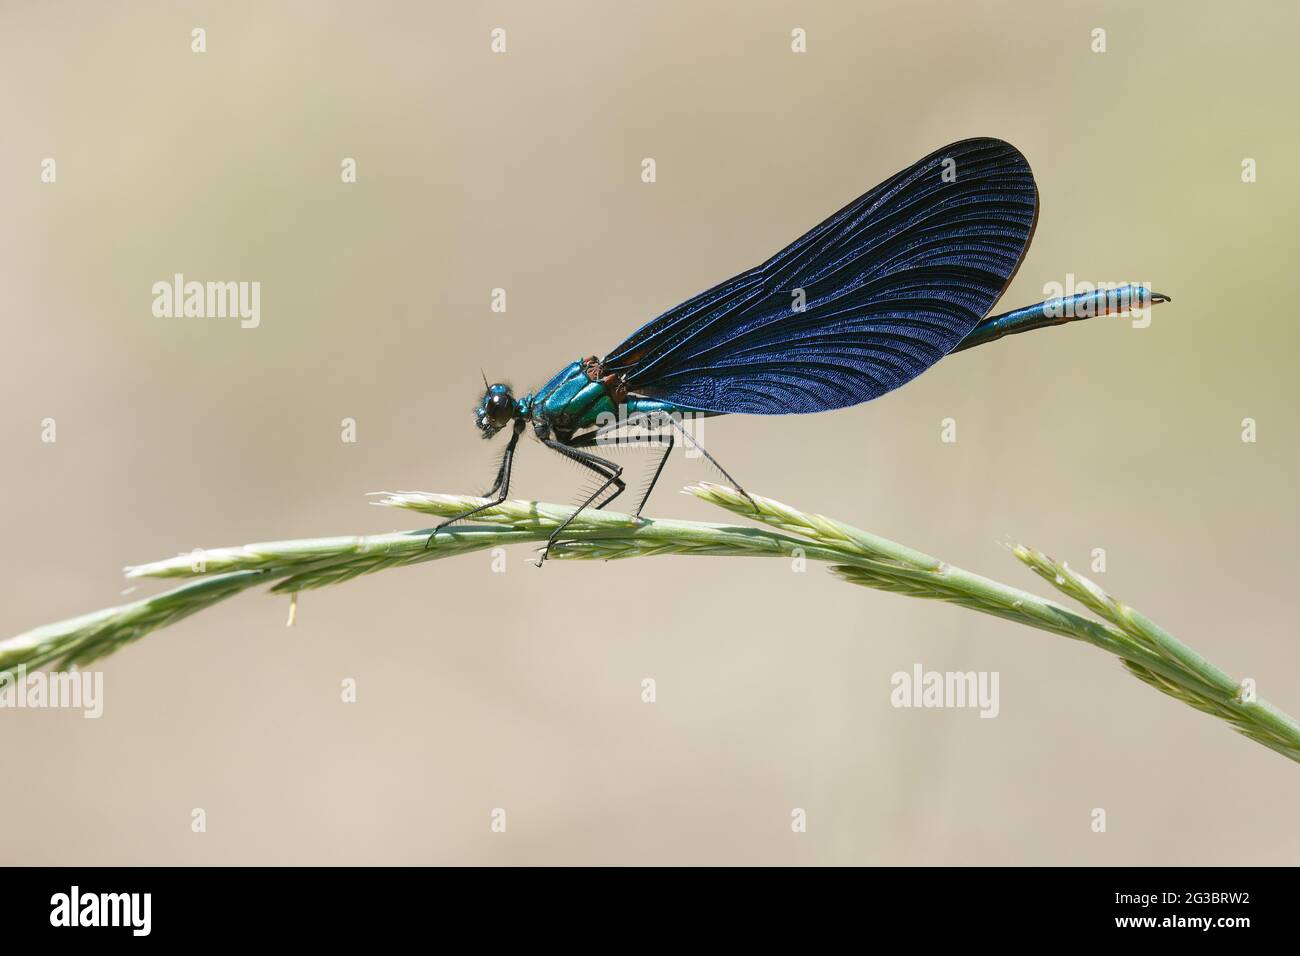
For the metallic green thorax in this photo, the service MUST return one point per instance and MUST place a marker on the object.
(572, 402)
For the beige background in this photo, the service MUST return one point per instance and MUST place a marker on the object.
(481, 690)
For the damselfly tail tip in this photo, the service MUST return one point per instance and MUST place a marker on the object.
(1158, 297)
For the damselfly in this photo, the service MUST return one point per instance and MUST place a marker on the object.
(858, 306)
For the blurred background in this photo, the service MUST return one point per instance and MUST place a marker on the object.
(522, 690)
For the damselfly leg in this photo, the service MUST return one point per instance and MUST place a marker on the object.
(588, 441)
(654, 480)
(606, 469)
(711, 460)
(501, 487)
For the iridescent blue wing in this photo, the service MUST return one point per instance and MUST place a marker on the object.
(890, 284)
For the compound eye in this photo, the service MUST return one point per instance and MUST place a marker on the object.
(499, 409)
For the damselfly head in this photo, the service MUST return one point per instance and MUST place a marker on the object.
(496, 410)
